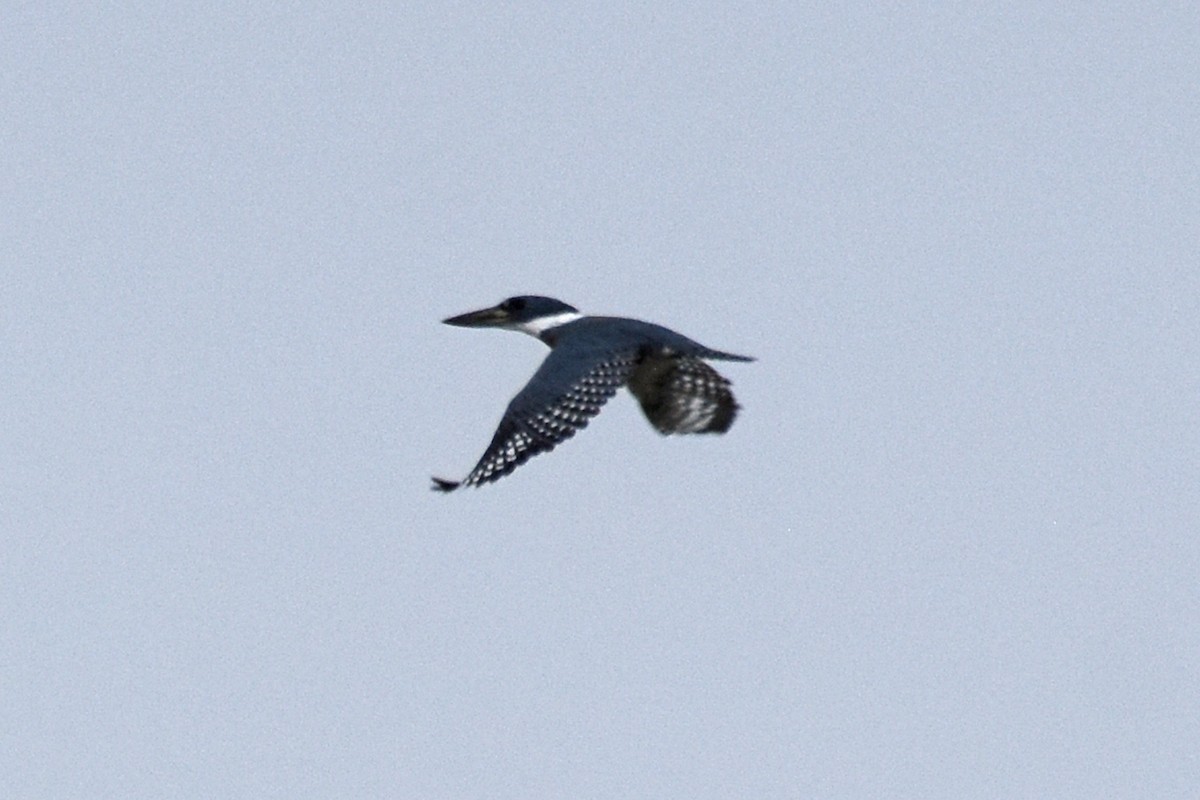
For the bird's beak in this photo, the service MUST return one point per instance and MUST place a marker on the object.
(485, 318)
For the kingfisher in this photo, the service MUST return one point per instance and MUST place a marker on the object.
(590, 359)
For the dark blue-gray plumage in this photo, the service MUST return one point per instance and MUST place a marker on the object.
(590, 359)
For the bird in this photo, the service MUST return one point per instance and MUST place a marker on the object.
(591, 357)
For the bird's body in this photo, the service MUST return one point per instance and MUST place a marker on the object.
(590, 359)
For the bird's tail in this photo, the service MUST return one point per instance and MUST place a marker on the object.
(721, 355)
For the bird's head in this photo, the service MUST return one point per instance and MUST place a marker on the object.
(530, 314)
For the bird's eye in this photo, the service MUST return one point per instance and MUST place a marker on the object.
(513, 304)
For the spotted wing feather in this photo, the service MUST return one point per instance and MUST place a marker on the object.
(683, 395)
(561, 398)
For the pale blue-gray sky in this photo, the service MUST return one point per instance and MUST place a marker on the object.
(949, 550)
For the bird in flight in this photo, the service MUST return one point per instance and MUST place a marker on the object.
(590, 359)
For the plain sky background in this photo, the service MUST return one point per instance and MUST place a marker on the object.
(949, 550)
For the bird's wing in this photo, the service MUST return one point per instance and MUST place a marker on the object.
(683, 395)
(562, 396)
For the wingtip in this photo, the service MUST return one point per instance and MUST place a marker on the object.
(444, 486)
